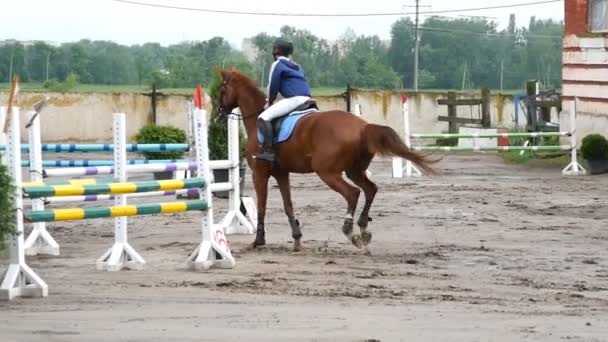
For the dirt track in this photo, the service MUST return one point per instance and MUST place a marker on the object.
(485, 252)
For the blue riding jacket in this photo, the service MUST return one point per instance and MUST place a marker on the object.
(286, 78)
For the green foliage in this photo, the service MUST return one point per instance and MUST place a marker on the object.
(595, 146)
(153, 134)
(7, 206)
(453, 52)
(70, 83)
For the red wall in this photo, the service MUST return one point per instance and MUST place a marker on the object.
(576, 16)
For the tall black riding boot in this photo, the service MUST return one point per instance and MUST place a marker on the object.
(268, 134)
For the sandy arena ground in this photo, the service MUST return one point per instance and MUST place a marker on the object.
(486, 252)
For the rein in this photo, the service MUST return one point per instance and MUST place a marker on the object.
(221, 110)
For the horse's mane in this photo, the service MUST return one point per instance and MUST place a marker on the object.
(241, 81)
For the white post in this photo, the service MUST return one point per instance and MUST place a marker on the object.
(19, 280)
(121, 254)
(359, 114)
(410, 169)
(214, 249)
(574, 168)
(190, 139)
(235, 222)
(40, 240)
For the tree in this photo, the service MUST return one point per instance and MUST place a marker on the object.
(401, 51)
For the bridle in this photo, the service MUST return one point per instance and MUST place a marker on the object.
(220, 107)
(221, 110)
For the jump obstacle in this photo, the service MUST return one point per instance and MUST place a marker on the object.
(572, 169)
(40, 240)
(20, 280)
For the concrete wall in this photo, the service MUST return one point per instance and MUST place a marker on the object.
(385, 108)
(88, 117)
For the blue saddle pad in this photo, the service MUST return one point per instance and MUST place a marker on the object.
(287, 126)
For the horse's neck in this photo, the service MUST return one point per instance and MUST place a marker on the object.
(251, 106)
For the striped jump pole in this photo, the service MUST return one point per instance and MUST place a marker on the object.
(72, 214)
(213, 251)
(82, 181)
(111, 188)
(136, 168)
(492, 148)
(96, 198)
(490, 135)
(87, 163)
(71, 148)
(19, 280)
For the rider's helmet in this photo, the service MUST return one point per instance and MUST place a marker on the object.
(281, 47)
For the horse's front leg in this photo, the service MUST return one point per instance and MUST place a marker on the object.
(260, 182)
(283, 180)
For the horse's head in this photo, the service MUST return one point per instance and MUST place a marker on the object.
(227, 95)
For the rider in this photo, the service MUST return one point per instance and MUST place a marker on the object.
(286, 78)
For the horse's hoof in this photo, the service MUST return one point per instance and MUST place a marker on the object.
(366, 237)
(258, 243)
(366, 251)
(297, 246)
(356, 240)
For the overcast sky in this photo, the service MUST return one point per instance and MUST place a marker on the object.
(72, 20)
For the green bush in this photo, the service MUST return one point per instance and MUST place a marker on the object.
(595, 146)
(7, 206)
(446, 141)
(70, 83)
(154, 134)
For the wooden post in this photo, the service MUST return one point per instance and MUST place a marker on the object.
(153, 99)
(347, 97)
(486, 118)
(531, 87)
(453, 125)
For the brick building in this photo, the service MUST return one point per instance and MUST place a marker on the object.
(585, 64)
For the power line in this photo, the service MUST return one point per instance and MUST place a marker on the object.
(285, 14)
(493, 34)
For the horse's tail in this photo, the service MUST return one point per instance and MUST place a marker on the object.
(384, 141)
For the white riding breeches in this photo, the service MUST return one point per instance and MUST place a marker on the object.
(283, 107)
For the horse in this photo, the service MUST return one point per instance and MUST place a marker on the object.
(327, 143)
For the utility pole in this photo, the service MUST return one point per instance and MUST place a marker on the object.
(416, 47)
(48, 58)
(502, 72)
(464, 75)
(10, 66)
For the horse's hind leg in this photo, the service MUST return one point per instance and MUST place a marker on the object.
(351, 194)
(283, 181)
(359, 177)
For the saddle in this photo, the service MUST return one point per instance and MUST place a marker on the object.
(283, 126)
(304, 107)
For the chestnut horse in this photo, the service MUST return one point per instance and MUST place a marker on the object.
(326, 143)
